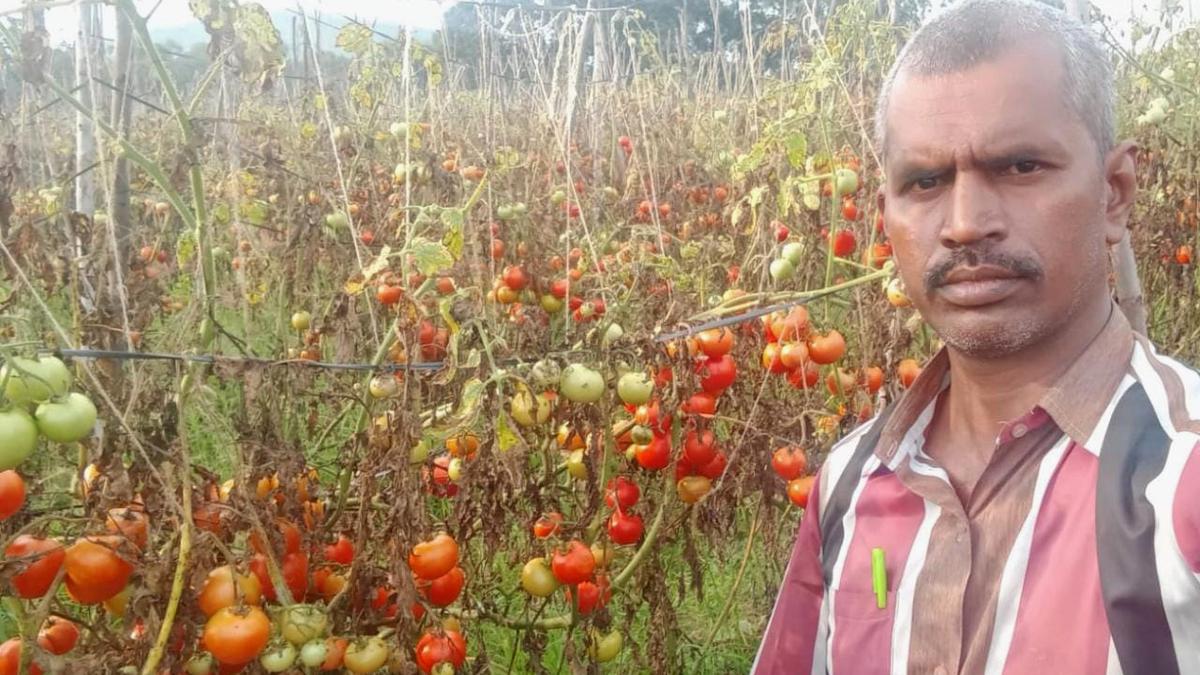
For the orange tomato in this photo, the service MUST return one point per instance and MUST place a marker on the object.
(95, 572)
(12, 493)
(907, 372)
(434, 558)
(236, 635)
(219, 591)
(798, 490)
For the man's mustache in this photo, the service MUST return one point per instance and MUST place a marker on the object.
(935, 276)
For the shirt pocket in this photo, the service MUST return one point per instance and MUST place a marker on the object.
(861, 637)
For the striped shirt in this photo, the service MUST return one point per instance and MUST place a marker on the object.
(1058, 563)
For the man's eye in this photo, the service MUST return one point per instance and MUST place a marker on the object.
(925, 183)
(1025, 166)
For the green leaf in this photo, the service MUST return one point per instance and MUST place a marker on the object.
(468, 405)
(797, 149)
(454, 219)
(255, 211)
(430, 257)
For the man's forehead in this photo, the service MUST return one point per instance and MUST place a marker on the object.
(1018, 93)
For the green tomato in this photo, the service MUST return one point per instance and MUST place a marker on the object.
(558, 197)
(201, 664)
(337, 220)
(366, 655)
(314, 653)
(529, 410)
(845, 182)
(581, 384)
(538, 579)
(302, 623)
(66, 420)
(301, 320)
(520, 209)
(635, 388)
(782, 269)
(505, 212)
(612, 333)
(278, 657)
(794, 253)
(18, 437)
(35, 379)
(550, 304)
(641, 435)
(605, 647)
(398, 130)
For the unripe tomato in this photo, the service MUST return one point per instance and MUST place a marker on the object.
(314, 653)
(538, 579)
(366, 655)
(66, 420)
(845, 182)
(581, 384)
(33, 380)
(278, 657)
(635, 388)
(692, 488)
(18, 437)
(604, 647)
(301, 321)
(300, 623)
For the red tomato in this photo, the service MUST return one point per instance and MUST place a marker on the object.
(715, 342)
(95, 571)
(714, 468)
(844, 243)
(445, 647)
(716, 374)
(805, 376)
(703, 404)
(445, 589)
(574, 564)
(294, 569)
(907, 372)
(547, 524)
(12, 493)
(515, 278)
(10, 658)
(872, 378)
(388, 294)
(798, 490)
(625, 527)
(789, 463)
(592, 596)
(58, 636)
(849, 210)
(431, 559)
(40, 560)
(654, 455)
(781, 231)
(828, 348)
(699, 448)
(621, 493)
(340, 551)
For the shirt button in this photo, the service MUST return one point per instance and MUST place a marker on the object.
(1019, 430)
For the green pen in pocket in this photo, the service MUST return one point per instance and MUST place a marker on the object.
(879, 577)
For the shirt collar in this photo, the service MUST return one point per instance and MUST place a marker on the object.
(1075, 401)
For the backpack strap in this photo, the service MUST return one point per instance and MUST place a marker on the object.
(1134, 453)
(832, 530)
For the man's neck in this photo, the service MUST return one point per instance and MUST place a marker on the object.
(987, 392)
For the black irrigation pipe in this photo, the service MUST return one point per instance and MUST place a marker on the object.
(431, 366)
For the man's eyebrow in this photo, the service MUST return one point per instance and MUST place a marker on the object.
(922, 165)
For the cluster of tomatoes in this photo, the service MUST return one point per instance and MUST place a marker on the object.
(582, 572)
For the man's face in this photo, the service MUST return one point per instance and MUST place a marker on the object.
(995, 202)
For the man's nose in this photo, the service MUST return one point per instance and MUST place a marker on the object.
(974, 212)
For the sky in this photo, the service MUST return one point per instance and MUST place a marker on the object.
(421, 14)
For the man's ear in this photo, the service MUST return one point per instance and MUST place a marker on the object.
(1120, 179)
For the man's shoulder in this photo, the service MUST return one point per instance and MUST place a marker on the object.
(1172, 386)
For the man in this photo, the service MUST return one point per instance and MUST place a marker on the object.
(1032, 503)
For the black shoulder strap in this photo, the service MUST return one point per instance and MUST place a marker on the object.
(1134, 452)
(839, 500)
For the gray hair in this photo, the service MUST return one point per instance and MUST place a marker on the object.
(974, 31)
